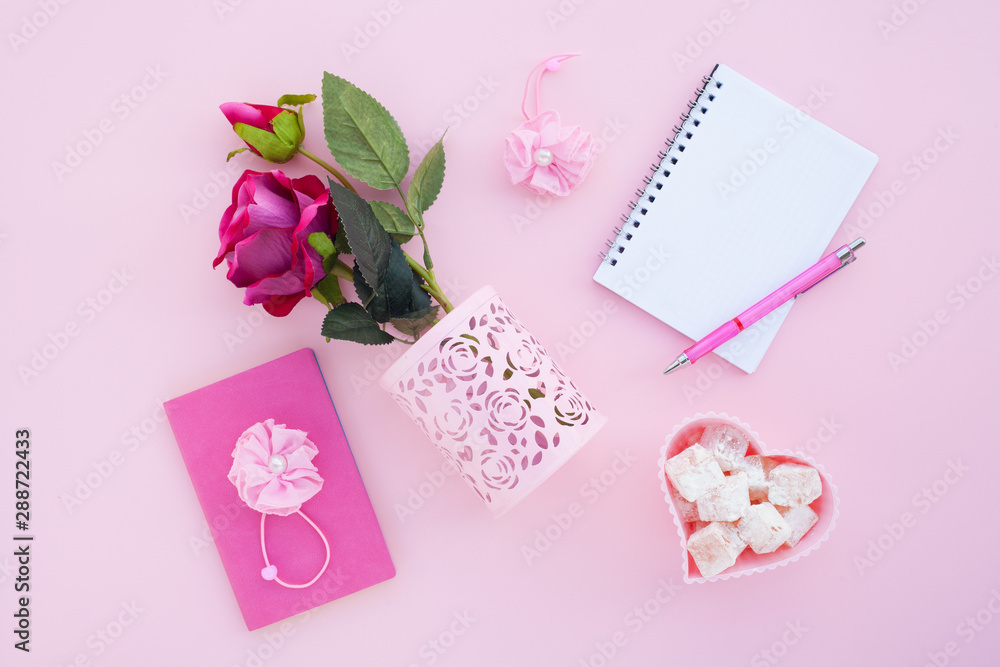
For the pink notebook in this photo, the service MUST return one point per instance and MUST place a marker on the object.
(207, 423)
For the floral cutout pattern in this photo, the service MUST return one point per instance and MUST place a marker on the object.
(493, 401)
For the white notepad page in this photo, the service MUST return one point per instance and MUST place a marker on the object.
(753, 197)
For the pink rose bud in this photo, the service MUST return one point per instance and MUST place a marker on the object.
(272, 133)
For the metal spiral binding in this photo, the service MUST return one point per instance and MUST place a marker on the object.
(670, 142)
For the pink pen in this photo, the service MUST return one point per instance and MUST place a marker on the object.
(801, 283)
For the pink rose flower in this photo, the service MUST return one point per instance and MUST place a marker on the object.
(265, 238)
(546, 157)
(272, 468)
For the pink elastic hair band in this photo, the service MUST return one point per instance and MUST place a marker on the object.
(550, 64)
(543, 154)
(270, 572)
(273, 474)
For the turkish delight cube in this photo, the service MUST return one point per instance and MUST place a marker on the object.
(727, 501)
(687, 511)
(693, 472)
(715, 548)
(757, 469)
(791, 484)
(800, 519)
(726, 443)
(763, 528)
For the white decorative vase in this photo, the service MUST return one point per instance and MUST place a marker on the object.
(492, 400)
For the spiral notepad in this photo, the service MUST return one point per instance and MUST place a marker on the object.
(747, 194)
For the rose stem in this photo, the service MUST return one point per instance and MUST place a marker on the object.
(342, 270)
(428, 273)
(339, 176)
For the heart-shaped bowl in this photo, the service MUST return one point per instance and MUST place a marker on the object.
(826, 506)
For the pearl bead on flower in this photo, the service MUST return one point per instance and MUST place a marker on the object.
(543, 157)
(277, 464)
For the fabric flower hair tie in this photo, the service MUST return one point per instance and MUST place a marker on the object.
(542, 154)
(273, 474)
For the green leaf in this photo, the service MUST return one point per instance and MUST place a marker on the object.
(363, 137)
(428, 264)
(320, 241)
(370, 244)
(392, 297)
(295, 100)
(235, 152)
(535, 393)
(340, 242)
(398, 282)
(349, 321)
(413, 324)
(270, 147)
(419, 298)
(329, 290)
(394, 221)
(427, 180)
(286, 128)
(330, 262)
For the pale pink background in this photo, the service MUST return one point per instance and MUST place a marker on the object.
(172, 329)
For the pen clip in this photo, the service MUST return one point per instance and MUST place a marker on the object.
(845, 254)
